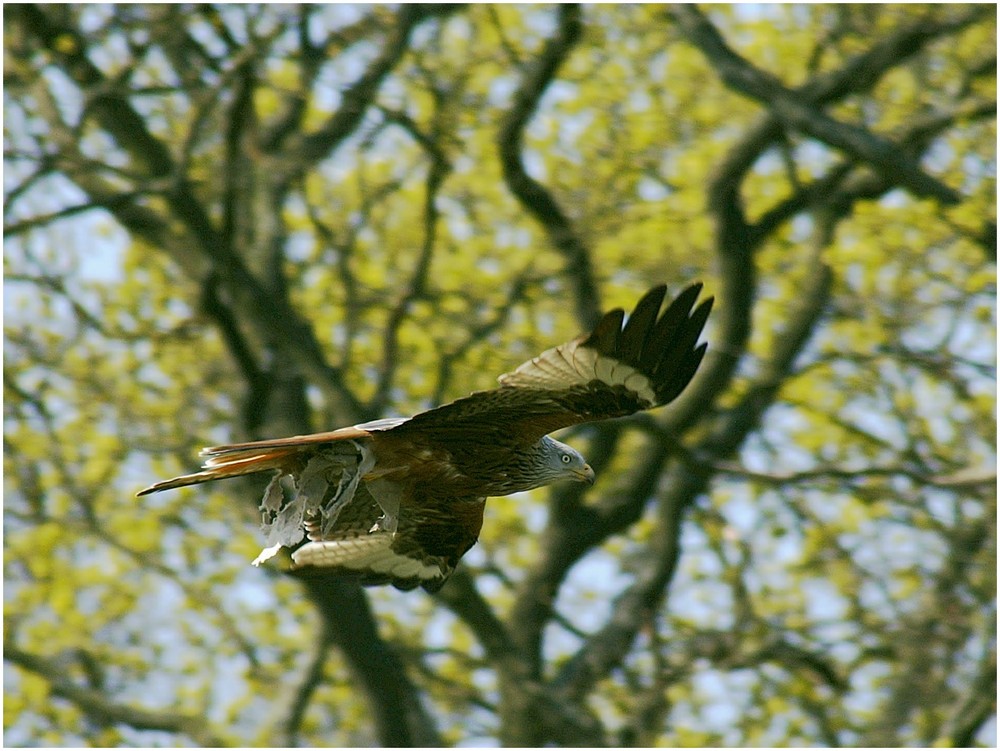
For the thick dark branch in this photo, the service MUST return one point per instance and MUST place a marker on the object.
(975, 708)
(103, 709)
(863, 71)
(257, 381)
(534, 197)
(109, 106)
(559, 722)
(312, 678)
(41, 220)
(356, 99)
(312, 57)
(461, 597)
(523, 693)
(574, 530)
(745, 416)
(398, 716)
(844, 183)
(635, 607)
(239, 135)
(417, 286)
(796, 112)
(736, 239)
(609, 645)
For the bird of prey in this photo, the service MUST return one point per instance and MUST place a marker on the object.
(400, 500)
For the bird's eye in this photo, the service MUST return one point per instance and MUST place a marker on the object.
(566, 458)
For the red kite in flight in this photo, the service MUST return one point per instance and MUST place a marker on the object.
(401, 500)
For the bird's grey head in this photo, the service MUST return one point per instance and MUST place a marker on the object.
(562, 462)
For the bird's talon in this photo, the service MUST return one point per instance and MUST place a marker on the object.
(385, 524)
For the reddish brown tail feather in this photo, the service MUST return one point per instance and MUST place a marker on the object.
(245, 464)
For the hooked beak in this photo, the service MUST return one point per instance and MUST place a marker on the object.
(585, 474)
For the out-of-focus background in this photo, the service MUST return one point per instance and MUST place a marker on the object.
(229, 222)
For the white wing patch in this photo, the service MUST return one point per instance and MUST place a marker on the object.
(570, 364)
(371, 552)
(340, 467)
(266, 554)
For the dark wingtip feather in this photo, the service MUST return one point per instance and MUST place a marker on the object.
(661, 340)
(606, 336)
(682, 376)
(640, 324)
(661, 348)
(678, 361)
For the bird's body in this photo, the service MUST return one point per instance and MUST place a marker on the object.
(400, 500)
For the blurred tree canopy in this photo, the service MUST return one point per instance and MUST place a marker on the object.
(233, 222)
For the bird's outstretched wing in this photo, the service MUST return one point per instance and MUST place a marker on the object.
(611, 372)
(433, 534)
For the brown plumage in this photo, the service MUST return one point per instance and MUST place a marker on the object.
(400, 500)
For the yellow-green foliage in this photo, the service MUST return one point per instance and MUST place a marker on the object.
(115, 373)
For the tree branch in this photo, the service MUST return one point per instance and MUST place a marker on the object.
(533, 196)
(399, 717)
(954, 481)
(311, 148)
(99, 707)
(608, 646)
(461, 596)
(312, 56)
(573, 530)
(416, 288)
(736, 239)
(312, 677)
(257, 381)
(975, 708)
(110, 107)
(795, 112)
